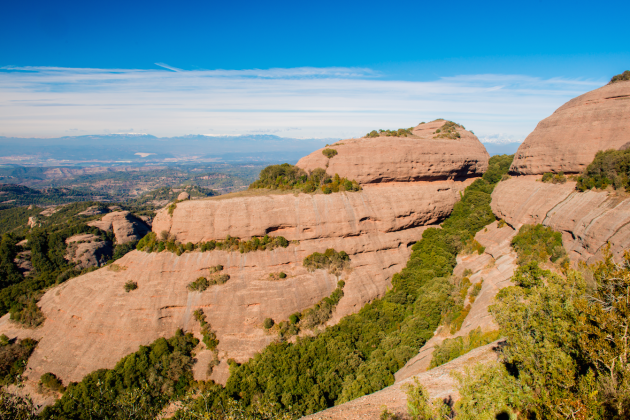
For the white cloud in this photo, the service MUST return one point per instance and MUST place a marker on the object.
(311, 102)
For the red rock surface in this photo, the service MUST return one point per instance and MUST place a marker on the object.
(126, 227)
(87, 250)
(378, 208)
(91, 322)
(587, 220)
(568, 140)
(387, 159)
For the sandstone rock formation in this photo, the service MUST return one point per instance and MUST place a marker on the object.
(417, 158)
(378, 208)
(93, 211)
(183, 196)
(87, 250)
(94, 316)
(126, 227)
(568, 140)
(587, 220)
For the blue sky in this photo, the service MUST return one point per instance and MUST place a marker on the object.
(300, 69)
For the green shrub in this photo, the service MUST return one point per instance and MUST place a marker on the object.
(401, 132)
(372, 134)
(537, 243)
(50, 381)
(13, 358)
(282, 275)
(610, 167)
(329, 153)
(209, 336)
(268, 323)
(198, 285)
(620, 77)
(335, 262)
(130, 285)
(448, 131)
(288, 177)
(552, 178)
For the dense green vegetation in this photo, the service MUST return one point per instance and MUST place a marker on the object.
(160, 371)
(566, 352)
(452, 348)
(538, 243)
(620, 77)
(13, 195)
(610, 167)
(288, 177)
(13, 357)
(448, 131)
(151, 243)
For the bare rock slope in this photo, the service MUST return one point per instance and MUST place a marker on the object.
(568, 140)
(126, 227)
(92, 322)
(387, 159)
(587, 220)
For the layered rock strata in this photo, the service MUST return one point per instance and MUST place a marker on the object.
(568, 140)
(99, 322)
(402, 159)
(587, 220)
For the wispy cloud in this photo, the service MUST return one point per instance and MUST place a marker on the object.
(311, 102)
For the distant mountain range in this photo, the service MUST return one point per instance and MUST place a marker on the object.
(145, 148)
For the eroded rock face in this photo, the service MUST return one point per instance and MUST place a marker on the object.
(587, 220)
(87, 250)
(95, 317)
(377, 208)
(568, 140)
(126, 227)
(387, 159)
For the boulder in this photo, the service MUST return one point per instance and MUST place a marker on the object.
(88, 250)
(568, 140)
(126, 226)
(183, 196)
(420, 157)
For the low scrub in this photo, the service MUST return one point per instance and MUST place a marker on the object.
(609, 168)
(329, 153)
(331, 260)
(538, 243)
(151, 243)
(401, 132)
(448, 131)
(287, 177)
(50, 381)
(130, 285)
(553, 178)
(209, 336)
(13, 357)
(620, 77)
(452, 348)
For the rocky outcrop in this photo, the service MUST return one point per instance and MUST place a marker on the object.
(93, 211)
(87, 250)
(568, 140)
(588, 220)
(377, 208)
(403, 159)
(126, 226)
